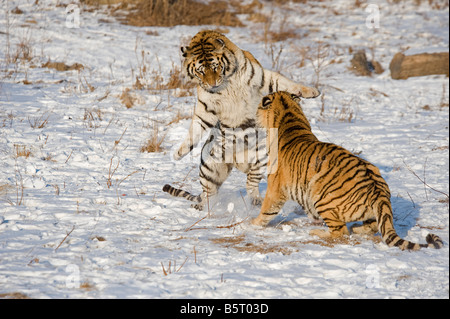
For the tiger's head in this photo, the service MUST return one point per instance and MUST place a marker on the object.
(274, 107)
(210, 60)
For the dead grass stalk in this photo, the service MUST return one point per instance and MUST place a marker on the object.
(172, 268)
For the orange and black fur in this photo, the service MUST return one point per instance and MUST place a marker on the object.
(328, 181)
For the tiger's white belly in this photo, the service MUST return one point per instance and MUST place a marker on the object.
(233, 105)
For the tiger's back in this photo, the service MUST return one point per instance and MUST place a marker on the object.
(327, 180)
(331, 175)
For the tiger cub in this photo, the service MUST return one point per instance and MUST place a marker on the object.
(327, 180)
(231, 82)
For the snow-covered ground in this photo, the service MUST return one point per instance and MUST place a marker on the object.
(82, 212)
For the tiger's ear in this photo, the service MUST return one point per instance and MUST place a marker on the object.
(296, 97)
(221, 44)
(184, 50)
(265, 103)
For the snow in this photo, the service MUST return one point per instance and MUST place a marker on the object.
(84, 215)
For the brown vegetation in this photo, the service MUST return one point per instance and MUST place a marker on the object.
(21, 151)
(13, 295)
(168, 13)
(238, 243)
(61, 66)
(127, 98)
(153, 144)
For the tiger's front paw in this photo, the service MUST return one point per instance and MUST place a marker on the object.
(255, 222)
(309, 92)
(258, 222)
(178, 155)
(324, 234)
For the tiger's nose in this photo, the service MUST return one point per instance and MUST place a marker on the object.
(213, 83)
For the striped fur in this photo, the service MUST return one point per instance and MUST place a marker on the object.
(328, 181)
(231, 82)
(181, 193)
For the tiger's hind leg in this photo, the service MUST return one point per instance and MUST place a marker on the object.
(214, 170)
(253, 162)
(253, 179)
(336, 227)
(212, 176)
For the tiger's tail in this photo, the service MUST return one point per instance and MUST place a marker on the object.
(390, 236)
(177, 192)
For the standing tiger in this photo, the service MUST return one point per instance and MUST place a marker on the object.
(327, 180)
(231, 82)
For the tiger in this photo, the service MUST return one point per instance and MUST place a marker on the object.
(230, 84)
(328, 181)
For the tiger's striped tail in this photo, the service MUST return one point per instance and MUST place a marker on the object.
(177, 192)
(390, 236)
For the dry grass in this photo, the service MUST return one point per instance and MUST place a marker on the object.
(39, 122)
(152, 80)
(24, 52)
(21, 151)
(331, 242)
(148, 75)
(435, 4)
(87, 286)
(112, 170)
(179, 117)
(153, 144)
(444, 99)
(282, 2)
(6, 119)
(341, 113)
(276, 32)
(172, 268)
(177, 81)
(4, 190)
(92, 117)
(319, 56)
(167, 13)
(13, 295)
(108, 2)
(127, 98)
(61, 66)
(239, 243)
